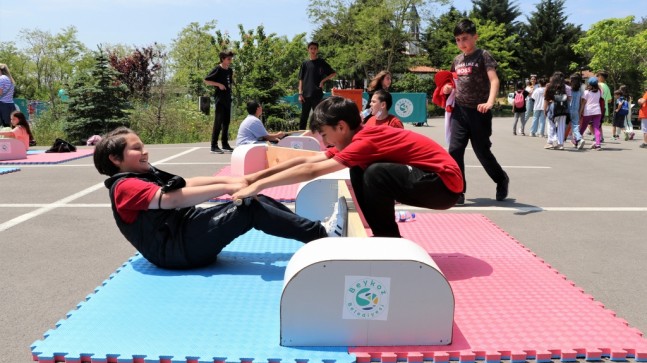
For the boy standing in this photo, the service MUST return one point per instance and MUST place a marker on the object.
(156, 211)
(387, 164)
(221, 77)
(312, 76)
(476, 89)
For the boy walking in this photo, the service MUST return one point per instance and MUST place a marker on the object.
(387, 164)
(476, 89)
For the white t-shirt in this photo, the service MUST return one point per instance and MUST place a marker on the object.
(538, 96)
(591, 103)
(250, 131)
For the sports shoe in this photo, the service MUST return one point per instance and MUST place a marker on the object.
(228, 149)
(217, 150)
(643, 146)
(580, 144)
(631, 135)
(626, 136)
(337, 224)
(596, 147)
(559, 147)
(502, 189)
(548, 146)
(461, 199)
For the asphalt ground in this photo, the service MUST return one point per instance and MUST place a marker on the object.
(583, 212)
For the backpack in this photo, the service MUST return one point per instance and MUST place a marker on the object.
(519, 100)
(560, 105)
(61, 146)
(624, 109)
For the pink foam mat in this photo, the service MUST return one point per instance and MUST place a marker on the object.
(284, 193)
(510, 304)
(50, 158)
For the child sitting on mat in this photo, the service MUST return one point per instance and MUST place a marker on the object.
(386, 164)
(20, 129)
(156, 211)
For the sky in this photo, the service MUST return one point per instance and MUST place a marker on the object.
(144, 22)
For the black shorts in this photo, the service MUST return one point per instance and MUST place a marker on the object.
(619, 120)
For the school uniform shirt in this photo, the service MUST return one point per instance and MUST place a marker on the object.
(390, 120)
(133, 195)
(389, 144)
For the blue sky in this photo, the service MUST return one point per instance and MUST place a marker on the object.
(142, 22)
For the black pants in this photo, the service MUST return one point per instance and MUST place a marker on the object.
(382, 184)
(309, 103)
(6, 109)
(221, 122)
(468, 124)
(210, 230)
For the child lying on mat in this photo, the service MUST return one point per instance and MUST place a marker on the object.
(386, 164)
(20, 129)
(156, 211)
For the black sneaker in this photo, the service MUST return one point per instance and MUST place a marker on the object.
(502, 189)
(228, 149)
(216, 150)
(461, 199)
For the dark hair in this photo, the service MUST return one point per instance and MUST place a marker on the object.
(252, 106)
(313, 43)
(376, 82)
(520, 85)
(623, 89)
(225, 54)
(602, 73)
(465, 26)
(113, 143)
(22, 121)
(541, 81)
(555, 85)
(384, 96)
(576, 81)
(332, 110)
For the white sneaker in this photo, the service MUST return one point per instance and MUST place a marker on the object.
(337, 224)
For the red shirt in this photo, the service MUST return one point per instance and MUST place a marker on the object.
(390, 120)
(388, 144)
(133, 195)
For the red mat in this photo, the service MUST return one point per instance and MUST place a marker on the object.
(284, 193)
(510, 304)
(50, 158)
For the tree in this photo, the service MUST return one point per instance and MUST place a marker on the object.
(97, 102)
(499, 11)
(546, 40)
(439, 38)
(137, 70)
(617, 46)
(194, 52)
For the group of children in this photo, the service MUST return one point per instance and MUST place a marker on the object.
(564, 104)
(156, 211)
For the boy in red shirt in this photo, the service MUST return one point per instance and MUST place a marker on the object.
(156, 211)
(386, 164)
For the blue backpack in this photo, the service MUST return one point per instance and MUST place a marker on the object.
(624, 109)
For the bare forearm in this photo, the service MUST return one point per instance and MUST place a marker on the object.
(210, 180)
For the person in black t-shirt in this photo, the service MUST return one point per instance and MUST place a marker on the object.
(313, 74)
(221, 78)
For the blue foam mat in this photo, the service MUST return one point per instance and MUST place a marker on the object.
(8, 170)
(227, 311)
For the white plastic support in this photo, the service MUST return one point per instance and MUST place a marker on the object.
(12, 149)
(365, 292)
(316, 198)
(300, 142)
(247, 159)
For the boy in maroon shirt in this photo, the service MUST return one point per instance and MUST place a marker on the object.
(386, 165)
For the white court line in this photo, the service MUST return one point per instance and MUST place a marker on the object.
(65, 201)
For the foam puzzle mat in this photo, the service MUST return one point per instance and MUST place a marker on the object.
(510, 305)
(35, 157)
(283, 193)
(8, 170)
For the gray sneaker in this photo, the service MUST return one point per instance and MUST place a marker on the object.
(337, 224)
(580, 144)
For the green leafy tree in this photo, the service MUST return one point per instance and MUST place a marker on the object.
(194, 52)
(98, 102)
(546, 40)
(617, 46)
(498, 11)
(439, 40)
